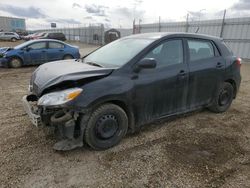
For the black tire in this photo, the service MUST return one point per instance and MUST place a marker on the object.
(107, 125)
(223, 98)
(13, 39)
(68, 57)
(15, 62)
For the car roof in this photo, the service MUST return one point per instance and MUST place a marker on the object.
(158, 35)
(39, 40)
(46, 40)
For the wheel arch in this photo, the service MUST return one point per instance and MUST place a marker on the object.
(68, 54)
(16, 56)
(127, 109)
(233, 83)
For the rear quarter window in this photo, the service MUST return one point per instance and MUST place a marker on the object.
(200, 49)
(227, 48)
(55, 45)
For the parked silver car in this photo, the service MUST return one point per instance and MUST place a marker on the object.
(12, 36)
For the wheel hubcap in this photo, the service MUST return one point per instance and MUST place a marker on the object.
(224, 97)
(106, 126)
(15, 62)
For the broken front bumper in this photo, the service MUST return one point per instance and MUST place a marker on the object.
(35, 118)
(62, 120)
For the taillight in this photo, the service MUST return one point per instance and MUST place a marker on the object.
(238, 62)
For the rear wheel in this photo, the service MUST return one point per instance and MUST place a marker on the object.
(13, 39)
(68, 57)
(15, 62)
(223, 99)
(106, 127)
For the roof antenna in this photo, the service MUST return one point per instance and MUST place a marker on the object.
(198, 28)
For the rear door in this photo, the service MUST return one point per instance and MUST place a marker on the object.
(206, 68)
(36, 53)
(56, 51)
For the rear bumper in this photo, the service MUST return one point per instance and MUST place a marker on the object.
(34, 118)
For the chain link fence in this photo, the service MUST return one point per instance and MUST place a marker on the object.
(89, 34)
(234, 31)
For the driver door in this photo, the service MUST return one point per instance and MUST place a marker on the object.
(36, 53)
(162, 91)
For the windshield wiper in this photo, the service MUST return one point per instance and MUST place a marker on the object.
(94, 64)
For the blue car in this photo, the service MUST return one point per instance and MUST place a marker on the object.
(37, 52)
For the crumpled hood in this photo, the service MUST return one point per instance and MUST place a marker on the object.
(53, 73)
(4, 49)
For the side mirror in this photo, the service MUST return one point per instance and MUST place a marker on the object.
(27, 49)
(147, 63)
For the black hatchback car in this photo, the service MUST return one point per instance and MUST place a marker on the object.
(131, 82)
(56, 36)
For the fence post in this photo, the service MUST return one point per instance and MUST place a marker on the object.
(134, 26)
(140, 25)
(223, 23)
(187, 23)
(159, 24)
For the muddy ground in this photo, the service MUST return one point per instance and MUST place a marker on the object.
(201, 149)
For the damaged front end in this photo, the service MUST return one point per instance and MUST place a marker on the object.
(50, 110)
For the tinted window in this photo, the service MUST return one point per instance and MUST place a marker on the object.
(168, 53)
(60, 35)
(55, 45)
(9, 33)
(38, 45)
(199, 49)
(51, 35)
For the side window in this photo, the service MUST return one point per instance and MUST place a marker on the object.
(167, 53)
(199, 49)
(55, 45)
(38, 45)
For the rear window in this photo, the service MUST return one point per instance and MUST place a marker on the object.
(200, 49)
(230, 51)
(55, 45)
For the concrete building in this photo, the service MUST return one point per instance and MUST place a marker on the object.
(12, 24)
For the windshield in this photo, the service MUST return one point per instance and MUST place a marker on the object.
(23, 45)
(118, 52)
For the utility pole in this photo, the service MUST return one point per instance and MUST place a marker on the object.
(223, 23)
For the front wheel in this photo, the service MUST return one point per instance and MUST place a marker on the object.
(223, 99)
(15, 62)
(106, 127)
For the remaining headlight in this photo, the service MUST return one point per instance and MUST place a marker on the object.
(60, 97)
(2, 55)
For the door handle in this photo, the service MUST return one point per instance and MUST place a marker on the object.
(182, 73)
(43, 51)
(219, 65)
(61, 50)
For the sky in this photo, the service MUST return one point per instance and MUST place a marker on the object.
(118, 13)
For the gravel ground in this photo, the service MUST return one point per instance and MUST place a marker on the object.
(201, 149)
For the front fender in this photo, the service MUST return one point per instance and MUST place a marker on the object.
(107, 89)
